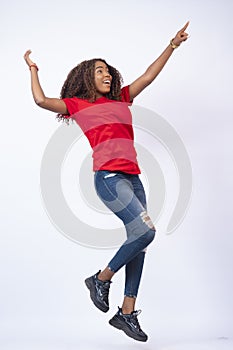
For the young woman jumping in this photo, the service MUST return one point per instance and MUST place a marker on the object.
(93, 96)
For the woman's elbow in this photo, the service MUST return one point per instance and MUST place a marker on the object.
(148, 79)
(40, 101)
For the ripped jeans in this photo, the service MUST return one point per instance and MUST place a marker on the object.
(124, 195)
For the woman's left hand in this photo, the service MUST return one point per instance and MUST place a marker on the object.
(181, 35)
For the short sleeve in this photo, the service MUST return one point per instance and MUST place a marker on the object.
(71, 105)
(125, 96)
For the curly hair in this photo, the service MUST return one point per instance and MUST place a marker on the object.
(80, 83)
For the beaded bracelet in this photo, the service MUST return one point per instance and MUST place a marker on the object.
(33, 65)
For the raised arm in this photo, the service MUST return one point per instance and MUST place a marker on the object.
(155, 68)
(52, 104)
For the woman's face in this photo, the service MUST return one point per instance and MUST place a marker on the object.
(103, 79)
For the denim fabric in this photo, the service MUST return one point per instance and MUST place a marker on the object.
(124, 195)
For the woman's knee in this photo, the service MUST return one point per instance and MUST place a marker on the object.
(150, 233)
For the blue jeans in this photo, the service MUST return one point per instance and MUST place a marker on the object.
(124, 195)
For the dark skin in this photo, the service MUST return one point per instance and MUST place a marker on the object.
(135, 88)
(103, 81)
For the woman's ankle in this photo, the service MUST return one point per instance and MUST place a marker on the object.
(105, 275)
(128, 305)
(127, 311)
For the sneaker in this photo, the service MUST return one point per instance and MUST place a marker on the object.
(129, 324)
(99, 291)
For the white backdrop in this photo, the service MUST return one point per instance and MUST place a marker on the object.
(186, 291)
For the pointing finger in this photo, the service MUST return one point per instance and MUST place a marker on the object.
(185, 27)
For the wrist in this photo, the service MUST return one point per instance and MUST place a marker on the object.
(33, 65)
(173, 45)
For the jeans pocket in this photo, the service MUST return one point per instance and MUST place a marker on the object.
(109, 175)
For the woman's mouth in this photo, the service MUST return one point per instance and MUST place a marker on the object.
(107, 82)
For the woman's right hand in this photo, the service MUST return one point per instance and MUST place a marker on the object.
(28, 59)
(56, 105)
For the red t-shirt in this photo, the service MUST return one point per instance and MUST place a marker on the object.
(108, 126)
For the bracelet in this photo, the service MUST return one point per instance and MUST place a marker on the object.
(34, 65)
(174, 46)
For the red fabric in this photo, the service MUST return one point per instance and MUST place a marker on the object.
(108, 126)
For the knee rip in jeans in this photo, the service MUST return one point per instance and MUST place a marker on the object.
(147, 220)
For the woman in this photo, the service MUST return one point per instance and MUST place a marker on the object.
(93, 97)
